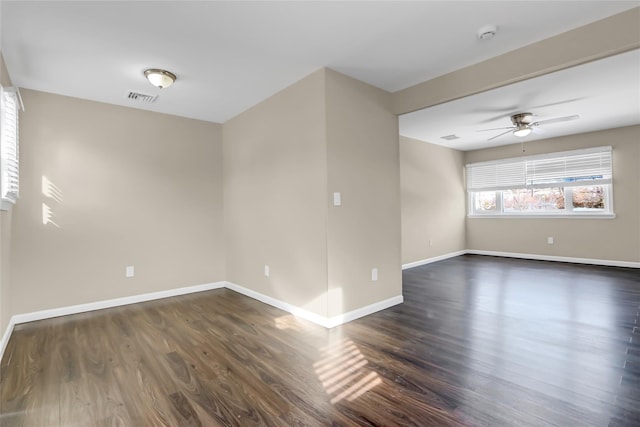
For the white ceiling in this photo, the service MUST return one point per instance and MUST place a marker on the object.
(229, 56)
(605, 94)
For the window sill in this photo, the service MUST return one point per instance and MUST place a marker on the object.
(545, 216)
(6, 205)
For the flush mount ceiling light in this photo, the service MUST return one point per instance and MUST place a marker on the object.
(160, 78)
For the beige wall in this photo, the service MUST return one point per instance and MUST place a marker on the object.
(616, 34)
(433, 200)
(363, 165)
(607, 239)
(574, 47)
(143, 189)
(5, 269)
(5, 239)
(283, 159)
(128, 187)
(275, 186)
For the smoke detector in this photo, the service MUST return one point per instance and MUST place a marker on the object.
(487, 32)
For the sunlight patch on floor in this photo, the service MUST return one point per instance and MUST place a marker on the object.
(343, 372)
(288, 321)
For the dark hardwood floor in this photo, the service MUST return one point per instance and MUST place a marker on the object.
(479, 341)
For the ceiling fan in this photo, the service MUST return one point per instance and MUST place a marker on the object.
(523, 125)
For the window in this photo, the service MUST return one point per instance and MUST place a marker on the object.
(8, 147)
(570, 183)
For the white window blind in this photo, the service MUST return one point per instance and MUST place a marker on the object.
(8, 145)
(592, 166)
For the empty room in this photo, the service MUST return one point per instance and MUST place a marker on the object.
(314, 213)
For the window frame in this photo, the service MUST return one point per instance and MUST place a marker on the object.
(563, 181)
(9, 147)
(564, 213)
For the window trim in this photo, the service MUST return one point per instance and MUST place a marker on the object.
(515, 173)
(542, 214)
(9, 147)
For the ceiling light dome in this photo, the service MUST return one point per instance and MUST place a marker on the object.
(522, 131)
(160, 78)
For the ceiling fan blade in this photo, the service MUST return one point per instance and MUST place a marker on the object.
(499, 135)
(566, 101)
(484, 130)
(558, 120)
(523, 104)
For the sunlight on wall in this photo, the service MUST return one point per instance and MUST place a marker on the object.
(47, 216)
(50, 190)
(343, 373)
(335, 301)
(332, 300)
(54, 195)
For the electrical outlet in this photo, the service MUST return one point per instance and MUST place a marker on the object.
(430, 242)
(266, 271)
(129, 272)
(550, 240)
(374, 274)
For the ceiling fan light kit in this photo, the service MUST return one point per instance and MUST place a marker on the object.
(521, 122)
(523, 125)
(522, 131)
(521, 119)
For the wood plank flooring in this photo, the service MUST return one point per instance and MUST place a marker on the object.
(479, 341)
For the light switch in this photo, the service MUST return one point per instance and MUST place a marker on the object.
(337, 199)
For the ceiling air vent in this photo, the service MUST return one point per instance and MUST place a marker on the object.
(141, 97)
(450, 137)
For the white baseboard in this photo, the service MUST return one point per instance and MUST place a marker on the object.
(289, 308)
(434, 259)
(363, 311)
(605, 262)
(99, 305)
(6, 336)
(327, 322)
(296, 311)
(592, 261)
(116, 302)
